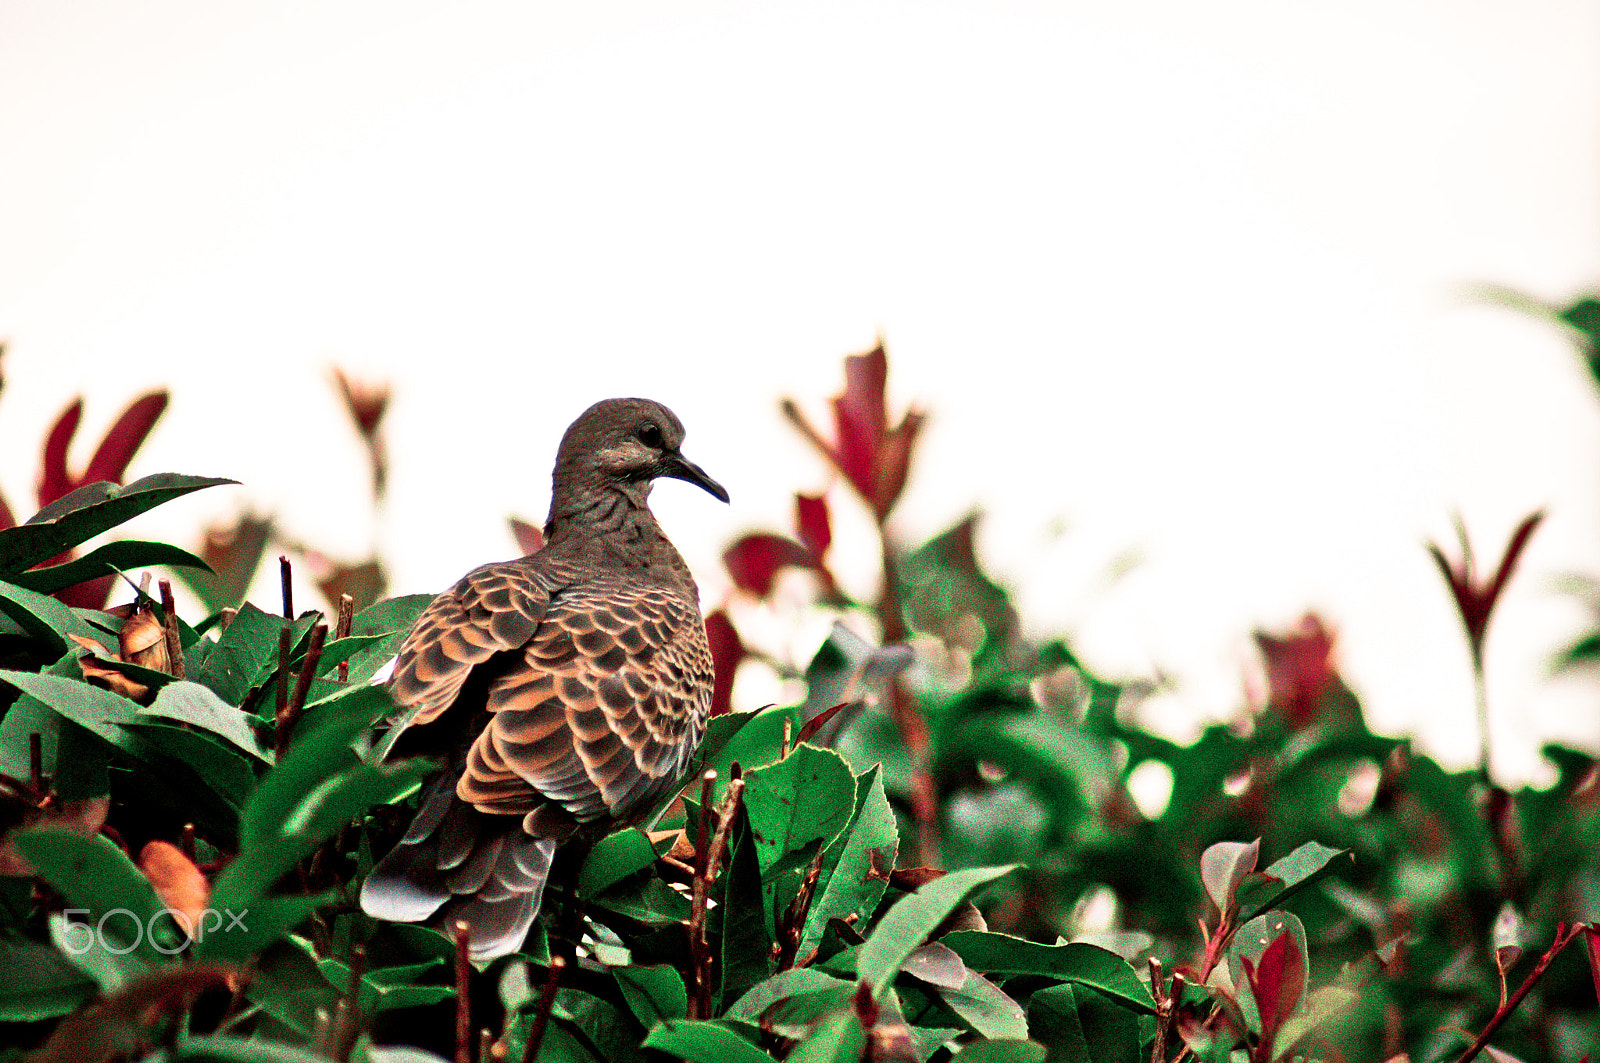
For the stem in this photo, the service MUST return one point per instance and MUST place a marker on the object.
(460, 932)
(541, 1015)
(699, 947)
(288, 589)
(169, 628)
(289, 714)
(1564, 936)
(1480, 691)
(347, 612)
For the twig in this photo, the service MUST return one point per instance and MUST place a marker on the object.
(169, 628)
(794, 919)
(319, 636)
(699, 947)
(288, 589)
(225, 618)
(347, 615)
(541, 1014)
(280, 714)
(460, 932)
(1564, 936)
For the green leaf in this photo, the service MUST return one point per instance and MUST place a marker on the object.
(122, 556)
(786, 985)
(654, 993)
(391, 619)
(846, 886)
(99, 711)
(1079, 963)
(698, 1041)
(322, 747)
(39, 982)
(197, 706)
(86, 512)
(839, 1040)
(243, 655)
(912, 918)
(1004, 1052)
(226, 1048)
(806, 798)
(43, 618)
(238, 927)
(615, 857)
(742, 920)
(985, 1008)
(97, 878)
(1080, 1026)
(1308, 864)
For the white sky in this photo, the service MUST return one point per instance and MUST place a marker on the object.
(1187, 280)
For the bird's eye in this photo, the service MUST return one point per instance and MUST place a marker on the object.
(650, 435)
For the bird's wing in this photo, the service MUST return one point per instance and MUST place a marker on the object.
(492, 609)
(604, 711)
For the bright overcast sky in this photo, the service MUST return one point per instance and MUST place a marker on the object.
(1193, 281)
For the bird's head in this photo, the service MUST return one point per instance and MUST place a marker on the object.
(629, 442)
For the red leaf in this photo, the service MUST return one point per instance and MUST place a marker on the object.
(894, 462)
(54, 479)
(1276, 981)
(816, 723)
(811, 521)
(753, 561)
(727, 651)
(1591, 941)
(1299, 669)
(1474, 601)
(530, 537)
(860, 418)
(124, 438)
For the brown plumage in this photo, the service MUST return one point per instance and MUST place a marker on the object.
(566, 690)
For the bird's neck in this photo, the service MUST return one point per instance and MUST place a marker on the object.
(610, 523)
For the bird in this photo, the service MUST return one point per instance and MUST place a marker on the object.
(563, 692)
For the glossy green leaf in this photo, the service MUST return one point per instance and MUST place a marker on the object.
(226, 1048)
(614, 858)
(1005, 1052)
(196, 706)
(100, 711)
(743, 919)
(1081, 1026)
(1307, 865)
(97, 878)
(847, 885)
(44, 619)
(243, 655)
(1087, 965)
(806, 798)
(912, 918)
(699, 1041)
(786, 985)
(241, 924)
(122, 556)
(839, 1040)
(654, 993)
(987, 1010)
(88, 511)
(39, 983)
(389, 619)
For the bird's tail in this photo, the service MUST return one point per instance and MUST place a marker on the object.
(455, 862)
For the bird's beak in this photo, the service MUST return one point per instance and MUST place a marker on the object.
(681, 468)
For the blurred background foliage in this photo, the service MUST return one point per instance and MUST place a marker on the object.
(956, 841)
